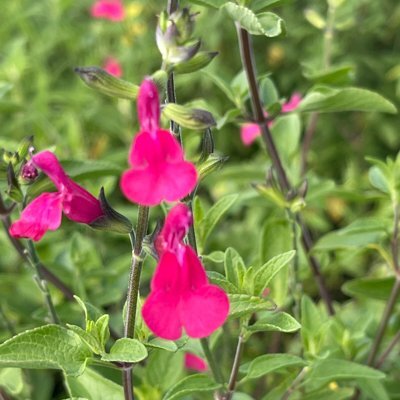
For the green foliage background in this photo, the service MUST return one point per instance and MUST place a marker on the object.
(40, 95)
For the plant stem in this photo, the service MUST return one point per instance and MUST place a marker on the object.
(235, 369)
(388, 350)
(294, 384)
(41, 282)
(133, 291)
(7, 323)
(247, 56)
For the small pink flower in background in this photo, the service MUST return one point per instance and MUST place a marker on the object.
(113, 67)
(195, 363)
(112, 10)
(250, 131)
(181, 296)
(44, 213)
(158, 169)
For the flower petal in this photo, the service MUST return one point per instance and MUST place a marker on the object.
(42, 214)
(112, 10)
(194, 362)
(161, 309)
(159, 171)
(148, 106)
(175, 228)
(204, 310)
(79, 205)
(292, 104)
(248, 133)
(113, 67)
(204, 307)
(49, 164)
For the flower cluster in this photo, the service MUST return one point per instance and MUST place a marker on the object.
(44, 212)
(181, 296)
(250, 131)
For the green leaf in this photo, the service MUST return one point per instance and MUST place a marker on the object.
(373, 389)
(268, 363)
(348, 99)
(275, 322)
(327, 370)
(330, 394)
(266, 273)
(267, 24)
(361, 233)
(93, 386)
(126, 350)
(162, 344)
(341, 75)
(234, 267)
(211, 218)
(88, 338)
(191, 385)
(49, 346)
(218, 279)
(12, 380)
(370, 288)
(209, 3)
(263, 5)
(243, 304)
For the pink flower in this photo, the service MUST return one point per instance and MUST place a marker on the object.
(113, 67)
(112, 10)
(181, 296)
(194, 362)
(250, 131)
(159, 171)
(44, 213)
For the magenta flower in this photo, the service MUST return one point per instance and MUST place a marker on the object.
(112, 10)
(113, 67)
(194, 362)
(181, 296)
(250, 131)
(159, 171)
(44, 213)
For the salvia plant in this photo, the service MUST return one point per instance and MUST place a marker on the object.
(260, 280)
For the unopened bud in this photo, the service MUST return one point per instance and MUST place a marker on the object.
(197, 62)
(11, 157)
(28, 173)
(111, 220)
(192, 118)
(105, 83)
(213, 163)
(207, 145)
(184, 22)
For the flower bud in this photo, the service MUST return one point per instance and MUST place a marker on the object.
(100, 80)
(184, 22)
(11, 157)
(197, 62)
(28, 173)
(192, 118)
(111, 220)
(207, 145)
(211, 164)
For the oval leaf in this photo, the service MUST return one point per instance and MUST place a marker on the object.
(126, 350)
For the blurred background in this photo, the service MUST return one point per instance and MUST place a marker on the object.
(41, 43)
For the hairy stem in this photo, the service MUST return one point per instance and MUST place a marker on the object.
(246, 51)
(41, 282)
(133, 291)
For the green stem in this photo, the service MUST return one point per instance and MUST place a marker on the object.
(247, 56)
(41, 282)
(7, 323)
(133, 291)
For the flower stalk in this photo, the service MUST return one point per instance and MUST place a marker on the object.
(133, 291)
